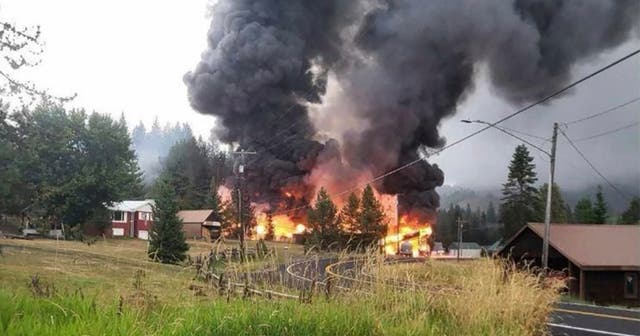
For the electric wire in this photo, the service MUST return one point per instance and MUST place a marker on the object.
(623, 194)
(467, 137)
(608, 132)
(615, 108)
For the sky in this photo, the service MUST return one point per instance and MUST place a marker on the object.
(130, 56)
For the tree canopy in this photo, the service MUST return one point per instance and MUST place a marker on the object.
(323, 220)
(167, 242)
(66, 165)
(632, 214)
(520, 198)
(558, 206)
(600, 208)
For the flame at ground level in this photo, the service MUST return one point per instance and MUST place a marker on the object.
(283, 226)
(412, 238)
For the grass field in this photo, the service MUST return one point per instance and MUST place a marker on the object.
(109, 288)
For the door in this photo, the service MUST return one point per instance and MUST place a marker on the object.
(132, 218)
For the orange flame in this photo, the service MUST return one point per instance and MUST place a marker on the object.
(412, 238)
(283, 226)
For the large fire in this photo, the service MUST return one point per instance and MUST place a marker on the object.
(405, 235)
(410, 236)
(283, 226)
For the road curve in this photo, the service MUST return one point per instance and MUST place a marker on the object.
(566, 319)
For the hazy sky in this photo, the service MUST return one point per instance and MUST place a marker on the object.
(130, 56)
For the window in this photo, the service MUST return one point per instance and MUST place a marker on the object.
(630, 285)
(118, 216)
(146, 216)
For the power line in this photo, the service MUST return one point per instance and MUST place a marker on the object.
(608, 132)
(603, 112)
(522, 110)
(503, 129)
(592, 166)
(527, 134)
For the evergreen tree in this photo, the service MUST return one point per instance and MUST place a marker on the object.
(323, 219)
(632, 214)
(558, 207)
(569, 212)
(271, 233)
(600, 208)
(373, 222)
(520, 197)
(583, 213)
(189, 170)
(492, 216)
(215, 201)
(167, 242)
(350, 214)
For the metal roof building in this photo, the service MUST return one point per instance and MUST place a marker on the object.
(601, 261)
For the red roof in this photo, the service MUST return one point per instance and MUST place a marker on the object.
(595, 245)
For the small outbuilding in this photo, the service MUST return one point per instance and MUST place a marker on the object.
(601, 261)
(467, 250)
(199, 224)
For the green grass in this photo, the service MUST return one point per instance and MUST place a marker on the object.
(96, 293)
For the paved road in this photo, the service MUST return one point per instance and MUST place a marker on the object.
(586, 320)
(566, 320)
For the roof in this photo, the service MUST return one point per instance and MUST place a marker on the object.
(194, 216)
(594, 245)
(131, 206)
(465, 246)
(495, 246)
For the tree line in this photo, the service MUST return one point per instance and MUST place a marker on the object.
(522, 202)
(63, 166)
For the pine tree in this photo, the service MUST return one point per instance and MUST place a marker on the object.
(373, 222)
(271, 233)
(323, 219)
(167, 242)
(569, 212)
(600, 208)
(350, 214)
(632, 214)
(520, 197)
(558, 207)
(215, 202)
(583, 213)
(492, 216)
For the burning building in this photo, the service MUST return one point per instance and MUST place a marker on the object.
(334, 93)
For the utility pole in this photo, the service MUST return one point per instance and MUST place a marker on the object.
(460, 222)
(547, 213)
(398, 224)
(242, 154)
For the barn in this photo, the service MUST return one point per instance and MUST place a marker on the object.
(199, 224)
(601, 261)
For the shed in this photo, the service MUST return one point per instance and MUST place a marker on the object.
(199, 223)
(601, 261)
(467, 250)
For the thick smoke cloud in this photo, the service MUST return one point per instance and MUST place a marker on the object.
(403, 67)
(266, 60)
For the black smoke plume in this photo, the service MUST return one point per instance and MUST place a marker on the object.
(403, 66)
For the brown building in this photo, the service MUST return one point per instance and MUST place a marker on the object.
(602, 261)
(199, 224)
